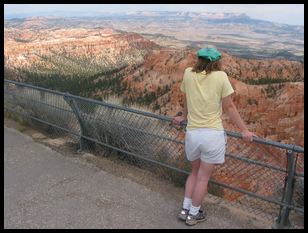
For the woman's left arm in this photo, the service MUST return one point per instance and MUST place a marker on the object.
(235, 117)
(183, 117)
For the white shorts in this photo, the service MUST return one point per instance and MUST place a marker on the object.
(207, 144)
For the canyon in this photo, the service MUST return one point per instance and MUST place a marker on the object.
(269, 92)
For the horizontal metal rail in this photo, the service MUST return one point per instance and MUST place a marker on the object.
(161, 117)
(255, 162)
(145, 132)
(101, 143)
(41, 103)
(295, 148)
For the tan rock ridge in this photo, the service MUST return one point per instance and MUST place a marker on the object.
(104, 47)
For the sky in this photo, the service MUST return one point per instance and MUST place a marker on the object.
(292, 14)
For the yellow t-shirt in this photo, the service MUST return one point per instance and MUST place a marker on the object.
(204, 93)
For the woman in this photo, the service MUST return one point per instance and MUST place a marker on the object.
(207, 91)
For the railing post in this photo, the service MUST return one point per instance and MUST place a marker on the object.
(283, 218)
(72, 103)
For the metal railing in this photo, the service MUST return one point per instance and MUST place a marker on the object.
(264, 176)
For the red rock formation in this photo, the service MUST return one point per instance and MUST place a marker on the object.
(273, 111)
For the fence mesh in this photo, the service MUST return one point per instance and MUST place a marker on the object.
(155, 144)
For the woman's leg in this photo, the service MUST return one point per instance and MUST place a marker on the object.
(189, 188)
(192, 178)
(203, 176)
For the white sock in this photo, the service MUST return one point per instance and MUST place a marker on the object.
(194, 210)
(187, 203)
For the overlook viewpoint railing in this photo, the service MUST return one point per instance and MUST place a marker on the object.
(265, 177)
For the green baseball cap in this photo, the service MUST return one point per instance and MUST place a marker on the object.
(209, 53)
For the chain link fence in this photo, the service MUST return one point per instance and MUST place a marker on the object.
(264, 177)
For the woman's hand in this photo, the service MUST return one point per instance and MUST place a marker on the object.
(248, 136)
(177, 120)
